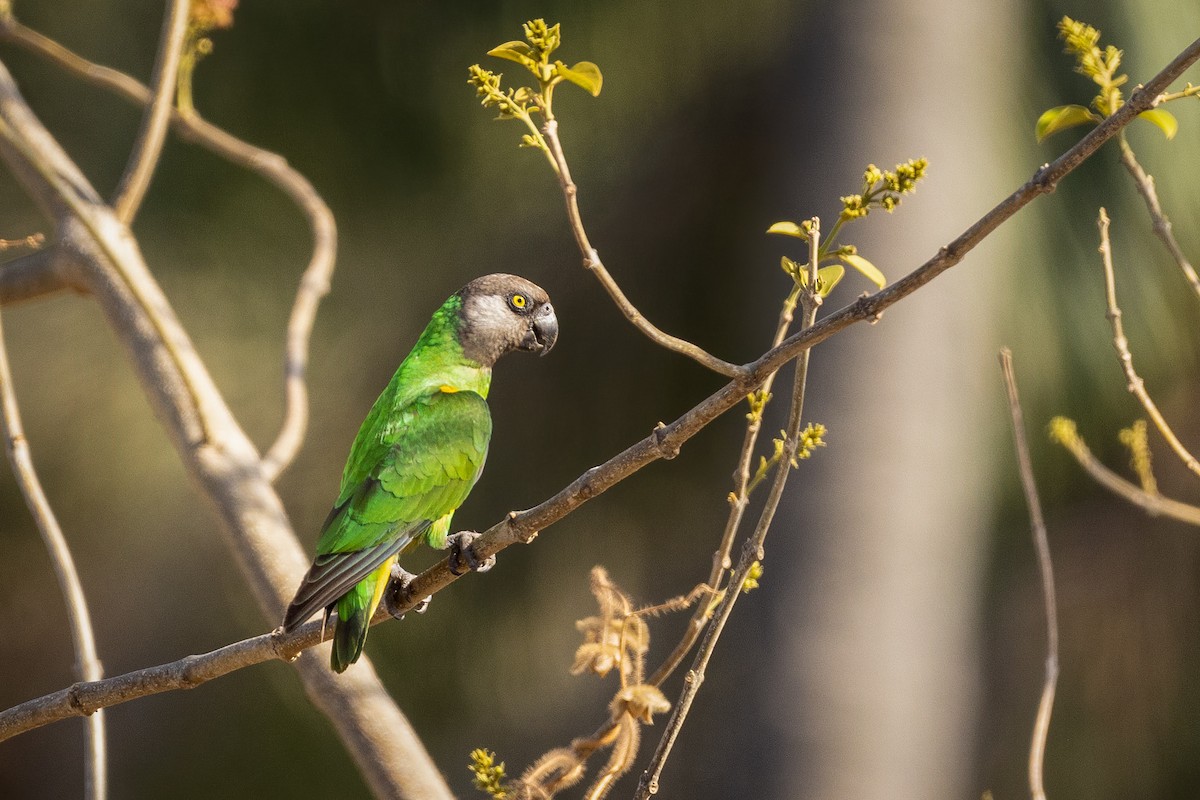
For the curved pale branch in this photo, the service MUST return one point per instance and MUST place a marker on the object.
(1152, 503)
(592, 262)
(153, 134)
(314, 283)
(83, 639)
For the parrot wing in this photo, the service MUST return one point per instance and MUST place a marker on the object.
(438, 447)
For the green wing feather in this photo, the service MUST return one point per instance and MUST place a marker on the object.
(425, 458)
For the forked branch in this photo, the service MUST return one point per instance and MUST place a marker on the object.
(314, 283)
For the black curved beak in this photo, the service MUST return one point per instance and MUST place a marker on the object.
(544, 330)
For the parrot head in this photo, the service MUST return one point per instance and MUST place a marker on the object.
(501, 313)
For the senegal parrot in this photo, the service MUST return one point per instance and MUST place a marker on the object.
(418, 453)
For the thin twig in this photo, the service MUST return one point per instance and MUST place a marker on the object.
(1134, 382)
(591, 262)
(1161, 224)
(153, 134)
(1063, 431)
(32, 241)
(1188, 91)
(314, 283)
(665, 441)
(83, 639)
(1041, 726)
(739, 500)
(752, 550)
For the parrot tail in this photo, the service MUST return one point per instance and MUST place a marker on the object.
(349, 637)
(354, 612)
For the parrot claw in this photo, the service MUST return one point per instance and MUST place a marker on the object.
(462, 554)
(397, 595)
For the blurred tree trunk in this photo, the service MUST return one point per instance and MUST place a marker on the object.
(876, 666)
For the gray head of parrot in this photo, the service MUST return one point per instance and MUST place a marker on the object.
(501, 313)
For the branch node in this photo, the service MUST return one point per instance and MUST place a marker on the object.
(513, 520)
(73, 699)
(187, 675)
(666, 448)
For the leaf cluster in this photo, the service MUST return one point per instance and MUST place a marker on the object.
(522, 102)
(880, 189)
(1100, 65)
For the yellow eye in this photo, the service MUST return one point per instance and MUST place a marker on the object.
(518, 301)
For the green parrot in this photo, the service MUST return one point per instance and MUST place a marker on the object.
(417, 454)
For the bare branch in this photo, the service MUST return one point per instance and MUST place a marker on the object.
(739, 499)
(83, 639)
(752, 550)
(1063, 431)
(34, 241)
(591, 262)
(314, 283)
(1134, 382)
(1041, 725)
(88, 697)
(1161, 224)
(153, 134)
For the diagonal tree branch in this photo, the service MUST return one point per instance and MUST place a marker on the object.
(87, 661)
(153, 134)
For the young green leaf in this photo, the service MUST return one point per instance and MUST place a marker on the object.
(1060, 118)
(585, 75)
(788, 266)
(788, 229)
(516, 51)
(869, 270)
(829, 277)
(1164, 119)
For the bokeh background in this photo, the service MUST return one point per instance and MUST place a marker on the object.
(896, 647)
